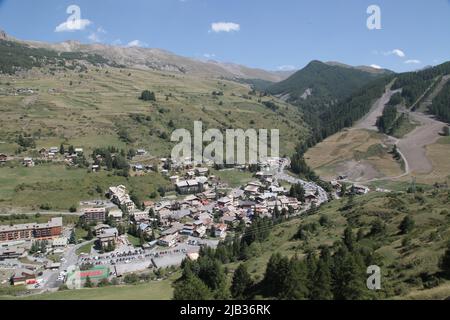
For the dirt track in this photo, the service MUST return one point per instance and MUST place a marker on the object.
(412, 147)
(414, 143)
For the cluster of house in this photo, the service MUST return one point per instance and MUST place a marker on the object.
(52, 153)
(354, 189)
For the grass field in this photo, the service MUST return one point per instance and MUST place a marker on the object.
(87, 109)
(84, 249)
(161, 290)
(233, 178)
(61, 187)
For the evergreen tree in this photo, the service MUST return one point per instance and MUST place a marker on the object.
(73, 238)
(90, 234)
(348, 239)
(191, 288)
(322, 290)
(444, 263)
(241, 284)
(296, 286)
(407, 225)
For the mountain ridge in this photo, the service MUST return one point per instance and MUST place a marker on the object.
(155, 59)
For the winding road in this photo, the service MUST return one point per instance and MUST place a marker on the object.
(411, 147)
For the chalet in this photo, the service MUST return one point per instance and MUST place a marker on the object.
(310, 197)
(95, 168)
(237, 193)
(79, 151)
(141, 152)
(191, 200)
(98, 230)
(53, 150)
(174, 229)
(190, 174)
(189, 186)
(188, 229)
(229, 220)
(253, 188)
(3, 157)
(180, 214)
(23, 277)
(201, 171)
(120, 197)
(200, 231)
(115, 214)
(169, 240)
(28, 162)
(275, 189)
(148, 204)
(145, 228)
(11, 253)
(225, 201)
(140, 216)
(359, 189)
(174, 179)
(220, 231)
(60, 242)
(138, 168)
(246, 204)
(108, 236)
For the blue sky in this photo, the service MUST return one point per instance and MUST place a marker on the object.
(269, 34)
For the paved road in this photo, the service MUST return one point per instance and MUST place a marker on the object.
(307, 185)
(48, 213)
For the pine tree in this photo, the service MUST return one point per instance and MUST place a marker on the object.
(407, 225)
(90, 234)
(191, 288)
(348, 239)
(73, 238)
(322, 290)
(296, 285)
(444, 264)
(241, 284)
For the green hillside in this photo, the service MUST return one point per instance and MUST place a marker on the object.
(406, 235)
(327, 83)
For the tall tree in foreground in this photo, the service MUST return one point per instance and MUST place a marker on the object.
(242, 283)
(191, 288)
(445, 262)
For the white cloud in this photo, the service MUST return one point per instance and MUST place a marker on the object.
(412, 61)
(117, 42)
(287, 68)
(209, 55)
(95, 36)
(71, 26)
(397, 52)
(225, 27)
(375, 66)
(136, 43)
